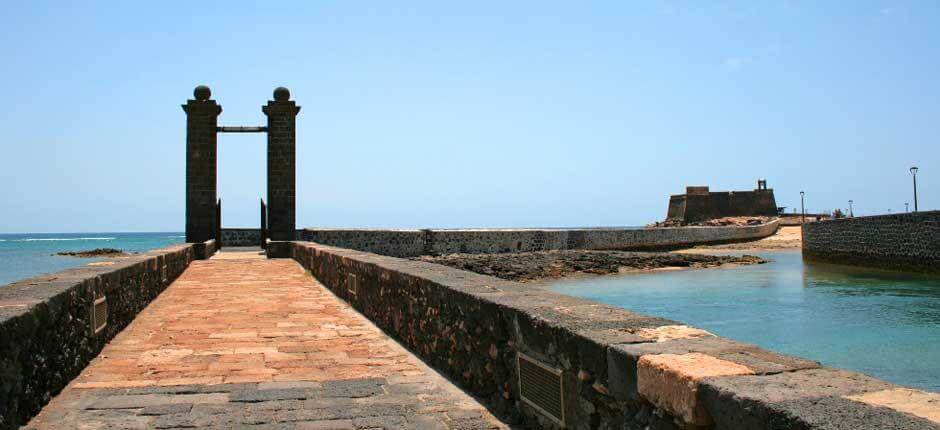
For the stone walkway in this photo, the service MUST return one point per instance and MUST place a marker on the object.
(243, 341)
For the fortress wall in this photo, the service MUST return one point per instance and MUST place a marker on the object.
(397, 243)
(699, 204)
(490, 241)
(909, 241)
(618, 369)
(241, 237)
(412, 243)
(46, 332)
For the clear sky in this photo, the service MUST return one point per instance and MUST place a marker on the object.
(439, 114)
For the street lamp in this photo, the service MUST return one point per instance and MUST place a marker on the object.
(906, 208)
(802, 210)
(851, 214)
(914, 174)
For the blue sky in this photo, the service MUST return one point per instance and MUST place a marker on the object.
(437, 114)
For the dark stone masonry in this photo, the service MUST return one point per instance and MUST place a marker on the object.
(203, 211)
(201, 152)
(700, 204)
(49, 330)
(617, 369)
(282, 164)
(909, 241)
(241, 237)
(414, 243)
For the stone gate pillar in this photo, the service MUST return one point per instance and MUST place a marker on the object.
(201, 148)
(282, 168)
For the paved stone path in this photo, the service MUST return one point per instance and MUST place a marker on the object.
(242, 341)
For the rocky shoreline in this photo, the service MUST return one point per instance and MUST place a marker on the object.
(535, 266)
(97, 252)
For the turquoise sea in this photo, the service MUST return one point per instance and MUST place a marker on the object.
(881, 323)
(30, 254)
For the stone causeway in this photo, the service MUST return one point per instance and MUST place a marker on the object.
(243, 341)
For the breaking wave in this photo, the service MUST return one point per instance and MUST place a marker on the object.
(57, 239)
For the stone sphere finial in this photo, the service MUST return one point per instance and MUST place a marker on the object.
(202, 93)
(281, 94)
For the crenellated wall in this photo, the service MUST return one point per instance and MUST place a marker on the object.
(412, 243)
(47, 335)
(908, 241)
(617, 369)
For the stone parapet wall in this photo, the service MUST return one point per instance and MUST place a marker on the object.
(909, 241)
(618, 369)
(398, 243)
(412, 243)
(241, 237)
(47, 335)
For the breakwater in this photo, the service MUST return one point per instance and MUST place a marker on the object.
(414, 243)
(909, 241)
(551, 360)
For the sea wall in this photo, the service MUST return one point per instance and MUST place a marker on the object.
(241, 237)
(547, 360)
(797, 219)
(908, 241)
(52, 325)
(412, 243)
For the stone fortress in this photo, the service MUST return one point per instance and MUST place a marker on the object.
(700, 204)
(309, 334)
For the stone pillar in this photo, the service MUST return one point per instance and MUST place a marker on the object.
(201, 148)
(282, 165)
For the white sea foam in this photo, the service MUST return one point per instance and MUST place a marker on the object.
(58, 239)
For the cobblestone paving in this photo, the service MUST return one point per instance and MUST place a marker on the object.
(242, 341)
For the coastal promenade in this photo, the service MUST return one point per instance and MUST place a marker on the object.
(244, 341)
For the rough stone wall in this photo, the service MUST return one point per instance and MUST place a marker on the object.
(46, 335)
(397, 243)
(282, 166)
(698, 204)
(241, 237)
(201, 150)
(412, 243)
(909, 241)
(620, 370)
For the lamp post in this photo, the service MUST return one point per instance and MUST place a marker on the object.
(914, 174)
(906, 208)
(851, 214)
(802, 210)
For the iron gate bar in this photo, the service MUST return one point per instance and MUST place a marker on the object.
(239, 129)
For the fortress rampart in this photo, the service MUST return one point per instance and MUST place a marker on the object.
(908, 241)
(700, 204)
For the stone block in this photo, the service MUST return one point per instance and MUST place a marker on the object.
(796, 400)
(670, 381)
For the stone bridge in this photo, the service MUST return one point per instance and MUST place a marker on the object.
(351, 336)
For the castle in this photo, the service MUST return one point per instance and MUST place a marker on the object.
(700, 204)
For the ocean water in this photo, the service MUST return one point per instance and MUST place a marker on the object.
(884, 324)
(30, 254)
